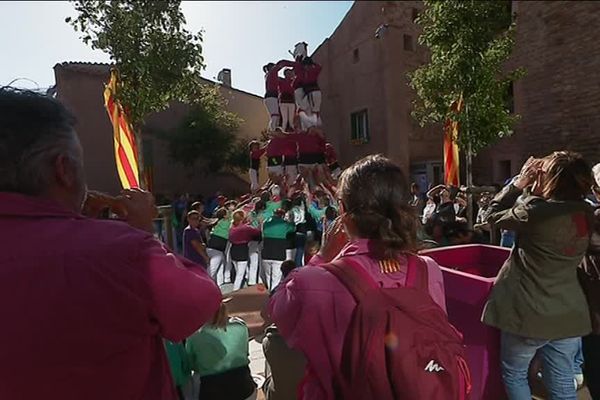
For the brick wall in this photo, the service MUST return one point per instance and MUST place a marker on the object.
(558, 43)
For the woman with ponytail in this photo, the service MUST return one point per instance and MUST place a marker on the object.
(376, 232)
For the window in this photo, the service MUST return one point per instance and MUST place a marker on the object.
(355, 56)
(504, 170)
(510, 98)
(408, 43)
(360, 127)
(415, 14)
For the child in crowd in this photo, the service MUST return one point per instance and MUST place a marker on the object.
(240, 235)
(194, 248)
(218, 353)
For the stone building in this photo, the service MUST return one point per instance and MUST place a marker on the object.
(367, 102)
(80, 87)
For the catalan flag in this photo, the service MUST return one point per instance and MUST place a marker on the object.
(125, 147)
(451, 159)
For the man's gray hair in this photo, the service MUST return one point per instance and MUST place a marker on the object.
(34, 130)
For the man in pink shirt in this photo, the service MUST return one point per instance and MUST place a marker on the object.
(85, 313)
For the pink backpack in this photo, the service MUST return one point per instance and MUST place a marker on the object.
(399, 344)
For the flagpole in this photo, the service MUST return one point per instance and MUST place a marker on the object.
(469, 171)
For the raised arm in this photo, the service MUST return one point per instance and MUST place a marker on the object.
(504, 211)
(435, 191)
(181, 296)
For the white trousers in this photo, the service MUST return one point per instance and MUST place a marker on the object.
(240, 273)
(228, 265)
(253, 250)
(290, 254)
(314, 99)
(253, 179)
(271, 273)
(216, 265)
(272, 105)
(287, 115)
(302, 101)
(291, 171)
(308, 120)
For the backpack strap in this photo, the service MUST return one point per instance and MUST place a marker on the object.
(417, 275)
(353, 277)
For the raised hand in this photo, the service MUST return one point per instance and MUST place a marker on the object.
(529, 173)
(140, 207)
(334, 240)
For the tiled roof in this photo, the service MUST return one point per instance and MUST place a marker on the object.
(104, 69)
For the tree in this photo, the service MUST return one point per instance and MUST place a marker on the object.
(158, 60)
(469, 42)
(208, 133)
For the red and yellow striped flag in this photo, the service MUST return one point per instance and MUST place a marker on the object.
(125, 147)
(451, 158)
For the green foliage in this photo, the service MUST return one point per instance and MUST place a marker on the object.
(158, 60)
(207, 133)
(239, 158)
(469, 41)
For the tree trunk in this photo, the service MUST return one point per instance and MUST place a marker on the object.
(140, 157)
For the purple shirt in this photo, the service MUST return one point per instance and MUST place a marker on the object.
(189, 251)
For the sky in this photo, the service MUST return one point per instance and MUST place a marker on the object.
(242, 36)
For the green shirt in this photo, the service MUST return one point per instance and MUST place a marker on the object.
(277, 228)
(271, 207)
(257, 218)
(221, 229)
(213, 351)
(179, 363)
(317, 213)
